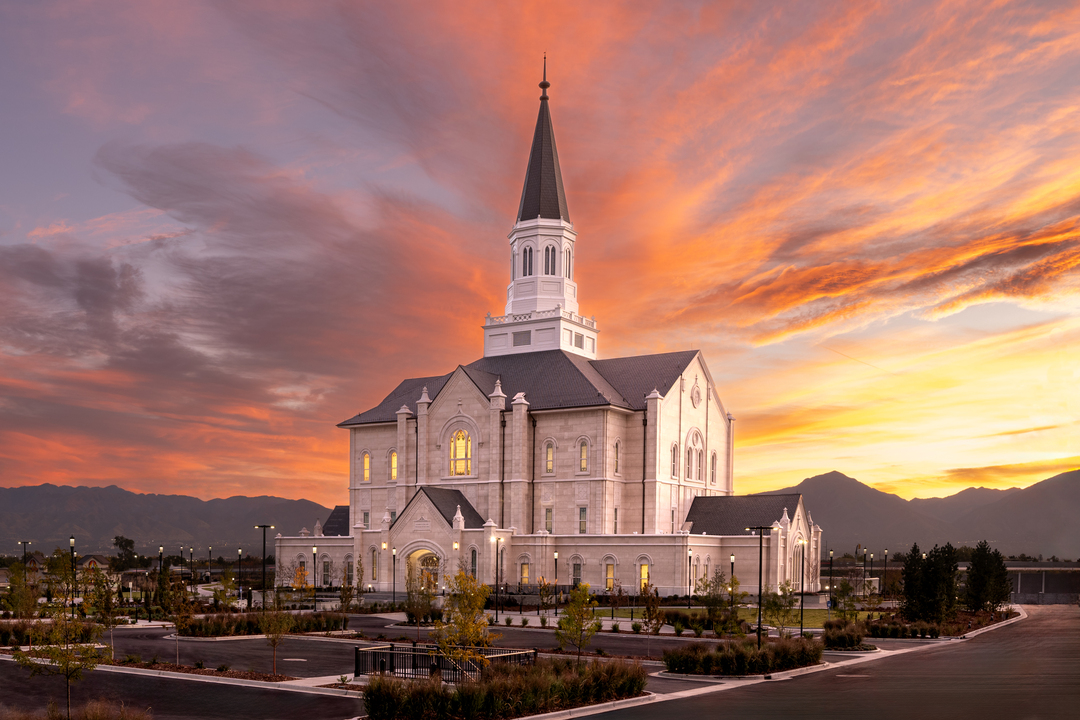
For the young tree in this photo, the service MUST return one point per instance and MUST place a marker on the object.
(103, 600)
(22, 592)
(183, 613)
(912, 597)
(988, 584)
(358, 578)
(617, 597)
(546, 593)
(224, 594)
(466, 624)
(418, 595)
(734, 599)
(710, 592)
(845, 600)
(275, 625)
(61, 647)
(652, 617)
(578, 624)
(779, 607)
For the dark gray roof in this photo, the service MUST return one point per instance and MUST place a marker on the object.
(337, 523)
(543, 194)
(731, 515)
(446, 501)
(550, 379)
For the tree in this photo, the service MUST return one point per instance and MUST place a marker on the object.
(911, 598)
(183, 613)
(61, 646)
(779, 607)
(418, 595)
(652, 617)
(228, 586)
(988, 584)
(22, 593)
(735, 598)
(546, 595)
(125, 558)
(103, 600)
(710, 592)
(466, 624)
(359, 580)
(578, 623)
(275, 625)
(617, 597)
(940, 583)
(845, 600)
(61, 576)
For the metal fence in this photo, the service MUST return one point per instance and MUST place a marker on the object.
(424, 660)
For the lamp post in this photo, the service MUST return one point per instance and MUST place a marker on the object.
(496, 540)
(393, 552)
(802, 582)
(314, 598)
(209, 564)
(760, 566)
(71, 542)
(832, 586)
(731, 586)
(239, 575)
(556, 583)
(871, 565)
(864, 571)
(24, 543)
(191, 565)
(689, 574)
(885, 574)
(263, 604)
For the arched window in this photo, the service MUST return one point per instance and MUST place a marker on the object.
(700, 464)
(583, 465)
(366, 462)
(526, 262)
(348, 571)
(566, 266)
(460, 453)
(374, 566)
(616, 458)
(513, 266)
(712, 471)
(695, 457)
(549, 458)
(675, 461)
(472, 562)
(549, 260)
(689, 463)
(393, 465)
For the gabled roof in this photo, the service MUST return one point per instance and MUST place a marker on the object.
(337, 522)
(731, 515)
(446, 501)
(551, 379)
(543, 195)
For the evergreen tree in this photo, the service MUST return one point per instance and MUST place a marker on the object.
(940, 584)
(911, 601)
(988, 585)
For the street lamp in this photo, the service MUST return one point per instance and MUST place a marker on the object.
(872, 565)
(191, 565)
(731, 586)
(24, 543)
(832, 586)
(496, 540)
(864, 571)
(393, 552)
(885, 574)
(263, 604)
(760, 566)
(802, 581)
(689, 573)
(209, 564)
(314, 599)
(71, 541)
(240, 575)
(556, 583)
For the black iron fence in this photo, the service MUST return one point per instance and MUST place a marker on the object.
(424, 660)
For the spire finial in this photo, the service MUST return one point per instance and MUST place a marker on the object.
(544, 84)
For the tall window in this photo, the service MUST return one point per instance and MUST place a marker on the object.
(609, 576)
(549, 458)
(393, 465)
(582, 522)
(583, 465)
(367, 520)
(548, 519)
(472, 562)
(712, 471)
(527, 262)
(524, 573)
(700, 464)
(689, 463)
(615, 530)
(616, 458)
(575, 575)
(673, 522)
(460, 453)
(674, 461)
(566, 266)
(549, 260)
(326, 573)
(393, 516)
(374, 566)
(366, 461)
(348, 572)
(644, 576)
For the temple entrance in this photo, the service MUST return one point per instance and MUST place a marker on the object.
(427, 565)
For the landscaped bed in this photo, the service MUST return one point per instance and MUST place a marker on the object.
(222, 671)
(229, 625)
(743, 657)
(505, 691)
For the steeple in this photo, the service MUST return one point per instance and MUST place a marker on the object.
(543, 195)
(542, 297)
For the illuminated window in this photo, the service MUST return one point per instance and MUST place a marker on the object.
(582, 514)
(366, 460)
(712, 471)
(609, 576)
(524, 573)
(674, 461)
(549, 458)
(583, 465)
(548, 519)
(374, 566)
(393, 465)
(460, 453)
(644, 577)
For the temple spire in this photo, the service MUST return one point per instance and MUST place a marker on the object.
(543, 195)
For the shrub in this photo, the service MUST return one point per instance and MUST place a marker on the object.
(524, 621)
(742, 657)
(223, 667)
(491, 620)
(226, 625)
(678, 627)
(543, 621)
(851, 635)
(698, 629)
(509, 621)
(636, 627)
(615, 627)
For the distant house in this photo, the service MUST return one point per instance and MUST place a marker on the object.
(93, 562)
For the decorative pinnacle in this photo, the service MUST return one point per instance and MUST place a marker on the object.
(544, 84)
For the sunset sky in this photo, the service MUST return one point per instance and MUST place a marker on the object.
(224, 228)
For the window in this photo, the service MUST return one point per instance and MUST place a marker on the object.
(472, 562)
(674, 461)
(582, 522)
(374, 566)
(325, 573)
(616, 528)
(549, 458)
(549, 260)
(566, 266)
(644, 577)
(579, 340)
(393, 516)
(524, 573)
(393, 465)
(700, 464)
(673, 521)
(460, 453)
(689, 463)
(609, 576)
(712, 471)
(367, 467)
(547, 519)
(513, 267)
(523, 337)
(367, 517)
(576, 574)
(348, 572)
(526, 262)
(616, 458)
(583, 465)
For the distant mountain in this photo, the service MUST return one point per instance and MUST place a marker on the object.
(1040, 519)
(48, 514)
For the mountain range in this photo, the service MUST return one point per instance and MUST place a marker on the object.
(1039, 519)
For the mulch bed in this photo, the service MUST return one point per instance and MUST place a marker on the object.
(236, 674)
(346, 686)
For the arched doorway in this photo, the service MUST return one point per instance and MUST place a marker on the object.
(427, 565)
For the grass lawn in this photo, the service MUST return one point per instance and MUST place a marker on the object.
(811, 618)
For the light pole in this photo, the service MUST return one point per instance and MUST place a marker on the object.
(802, 581)
(864, 571)
(731, 587)
(191, 565)
(160, 573)
(689, 575)
(393, 552)
(239, 575)
(832, 585)
(209, 564)
(263, 604)
(496, 540)
(314, 599)
(760, 566)
(556, 583)
(71, 541)
(872, 565)
(885, 574)
(24, 543)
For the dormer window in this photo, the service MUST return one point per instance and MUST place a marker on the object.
(460, 453)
